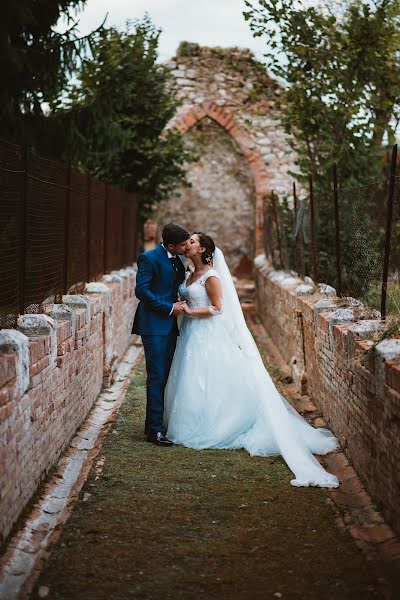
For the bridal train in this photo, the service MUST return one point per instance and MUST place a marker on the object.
(219, 394)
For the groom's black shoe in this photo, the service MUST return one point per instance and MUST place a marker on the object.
(159, 439)
(163, 431)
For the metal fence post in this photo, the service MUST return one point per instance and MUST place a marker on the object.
(66, 229)
(388, 235)
(276, 220)
(313, 231)
(105, 245)
(88, 228)
(337, 233)
(298, 236)
(22, 298)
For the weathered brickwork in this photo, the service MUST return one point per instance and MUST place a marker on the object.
(51, 372)
(354, 381)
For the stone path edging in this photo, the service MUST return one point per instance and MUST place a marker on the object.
(23, 559)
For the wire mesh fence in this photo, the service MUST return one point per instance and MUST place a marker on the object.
(342, 237)
(59, 229)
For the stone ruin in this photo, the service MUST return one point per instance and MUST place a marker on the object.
(230, 115)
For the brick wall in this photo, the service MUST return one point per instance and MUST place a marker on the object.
(353, 380)
(51, 372)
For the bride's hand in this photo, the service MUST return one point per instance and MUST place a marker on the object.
(186, 309)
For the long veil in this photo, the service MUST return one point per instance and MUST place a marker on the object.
(294, 437)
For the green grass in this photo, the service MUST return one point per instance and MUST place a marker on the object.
(177, 523)
(373, 298)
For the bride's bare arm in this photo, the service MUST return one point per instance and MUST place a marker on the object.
(214, 292)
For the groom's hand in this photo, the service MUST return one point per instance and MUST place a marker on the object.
(178, 308)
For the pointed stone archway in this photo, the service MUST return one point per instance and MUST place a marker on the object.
(226, 119)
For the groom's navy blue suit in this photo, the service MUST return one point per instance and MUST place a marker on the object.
(157, 282)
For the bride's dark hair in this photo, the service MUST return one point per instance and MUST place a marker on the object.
(206, 242)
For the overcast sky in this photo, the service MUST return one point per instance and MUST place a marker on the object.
(207, 22)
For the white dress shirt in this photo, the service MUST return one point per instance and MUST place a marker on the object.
(168, 252)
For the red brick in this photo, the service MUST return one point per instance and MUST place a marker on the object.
(4, 395)
(36, 348)
(8, 368)
(392, 372)
(40, 365)
(343, 387)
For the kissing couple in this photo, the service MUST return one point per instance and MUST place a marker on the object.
(207, 386)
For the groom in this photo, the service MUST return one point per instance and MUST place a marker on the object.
(160, 272)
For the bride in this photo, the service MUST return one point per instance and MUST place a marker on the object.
(219, 394)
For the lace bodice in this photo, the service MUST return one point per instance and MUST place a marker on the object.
(195, 293)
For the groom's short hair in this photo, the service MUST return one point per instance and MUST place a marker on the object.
(174, 234)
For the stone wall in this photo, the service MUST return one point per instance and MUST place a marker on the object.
(352, 379)
(232, 89)
(220, 200)
(51, 372)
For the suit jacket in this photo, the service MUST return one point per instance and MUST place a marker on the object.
(157, 285)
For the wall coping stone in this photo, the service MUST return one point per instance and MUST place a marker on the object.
(309, 281)
(260, 261)
(339, 316)
(78, 301)
(326, 289)
(12, 340)
(112, 278)
(366, 328)
(62, 312)
(97, 287)
(304, 289)
(290, 281)
(387, 350)
(34, 325)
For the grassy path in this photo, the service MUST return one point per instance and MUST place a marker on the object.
(171, 524)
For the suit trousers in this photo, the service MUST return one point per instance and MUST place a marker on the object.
(159, 352)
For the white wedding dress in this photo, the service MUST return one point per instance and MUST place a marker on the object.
(219, 394)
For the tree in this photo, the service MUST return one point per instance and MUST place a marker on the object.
(342, 76)
(35, 64)
(119, 110)
(341, 71)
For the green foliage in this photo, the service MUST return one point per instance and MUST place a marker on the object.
(342, 80)
(341, 69)
(186, 49)
(119, 110)
(35, 63)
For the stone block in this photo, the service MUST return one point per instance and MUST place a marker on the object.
(339, 316)
(392, 372)
(387, 350)
(38, 325)
(178, 73)
(112, 278)
(8, 368)
(290, 282)
(322, 306)
(304, 289)
(63, 312)
(365, 330)
(326, 289)
(14, 341)
(171, 64)
(100, 288)
(76, 301)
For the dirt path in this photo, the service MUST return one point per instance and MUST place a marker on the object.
(173, 524)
